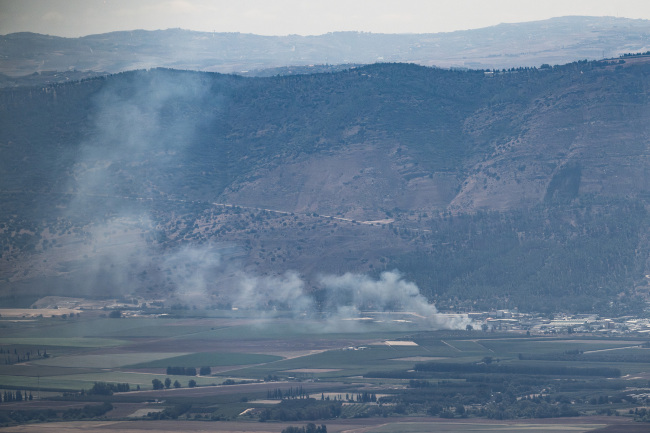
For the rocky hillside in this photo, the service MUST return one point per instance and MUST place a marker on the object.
(526, 188)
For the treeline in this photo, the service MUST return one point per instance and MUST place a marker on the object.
(291, 393)
(302, 409)
(18, 395)
(525, 408)
(23, 416)
(641, 415)
(181, 371)
(309, 428)
(88, 411)
(362, 397)
(545, 370)
(14, 356)
(104, 388)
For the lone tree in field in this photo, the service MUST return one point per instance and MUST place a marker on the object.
(168, 382)
(157, 384)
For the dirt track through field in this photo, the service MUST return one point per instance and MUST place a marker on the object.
(453, 347)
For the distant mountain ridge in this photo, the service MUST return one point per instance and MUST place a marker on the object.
(554, 41)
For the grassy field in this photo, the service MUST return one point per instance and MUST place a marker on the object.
(210, 359)
(79, 381)
(345, 362)
(109, 360)
(61, 342)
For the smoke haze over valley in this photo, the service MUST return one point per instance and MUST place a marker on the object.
(463, 188)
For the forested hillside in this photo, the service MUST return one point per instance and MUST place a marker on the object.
(526, 188)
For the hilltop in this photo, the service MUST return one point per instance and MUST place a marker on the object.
(554, 41)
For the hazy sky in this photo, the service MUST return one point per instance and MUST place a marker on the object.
(305, 17)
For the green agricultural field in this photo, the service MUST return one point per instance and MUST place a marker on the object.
(77, 382)
(108, 360)
(527, 377)
(473, 346)
(142, 379)
(211, 359)
(116, 328)
(344, 362)
(61, 342)
(505, 347)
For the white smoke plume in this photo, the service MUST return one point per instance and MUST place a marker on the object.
(285, 292)
(146, 129)
(347, 296)
(135, 131)
(350, 294)
(193, 271)
(202, 274)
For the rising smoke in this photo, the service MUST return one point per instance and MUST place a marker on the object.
(138, 129)
(139, 132)
(200, 273)
(344, 297)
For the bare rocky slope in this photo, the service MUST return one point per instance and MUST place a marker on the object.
(524, 189)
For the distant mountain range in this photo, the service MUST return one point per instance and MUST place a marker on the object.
(554, 41)
(528, 188)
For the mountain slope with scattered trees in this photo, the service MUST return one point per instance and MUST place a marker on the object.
(525, 188)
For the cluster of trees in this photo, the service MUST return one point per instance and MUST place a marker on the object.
(88, 411)
(14, 356)
(181, 371)
(172, 412)
(23, 416)
(463, 400)
(301, 409)
(647, 53)
(418, 383)
(291, 393)
(362, 397)
(309, 428)
(17, 395)
(507, 390)
(642, 415)
(158, 384)
(104, 388)
(525, 408)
